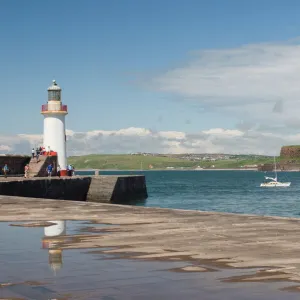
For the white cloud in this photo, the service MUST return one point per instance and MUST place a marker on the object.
(177, 135)
(223, 132)
(17, 144)
(5, 148)
(257, 84)
(253, 82)
(128, 140)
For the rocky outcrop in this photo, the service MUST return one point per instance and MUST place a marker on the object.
(290, 152)
(280, 167)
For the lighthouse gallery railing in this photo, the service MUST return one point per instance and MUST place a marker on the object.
(56, 107)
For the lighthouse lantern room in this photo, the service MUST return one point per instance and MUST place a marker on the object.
(54, 126)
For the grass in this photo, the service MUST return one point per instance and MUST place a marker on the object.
(126, 162)
(236, 163)
(291, 146)
(137, 162)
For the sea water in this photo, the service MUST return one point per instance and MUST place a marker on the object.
(222, 191)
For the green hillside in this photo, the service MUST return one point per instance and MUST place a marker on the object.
(126, 162)
(137, 162)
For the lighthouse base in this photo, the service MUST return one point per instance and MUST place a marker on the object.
(63, 173)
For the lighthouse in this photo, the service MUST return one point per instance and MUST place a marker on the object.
(53, 237)
(54, 126)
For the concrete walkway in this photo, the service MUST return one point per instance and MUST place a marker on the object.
(211, 239)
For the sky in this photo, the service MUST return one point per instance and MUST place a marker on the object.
(167, 76)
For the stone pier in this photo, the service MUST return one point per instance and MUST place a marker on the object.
(269, 245)
(110, 188)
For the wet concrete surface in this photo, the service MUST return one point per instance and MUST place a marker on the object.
(124, 252)
(36, 264)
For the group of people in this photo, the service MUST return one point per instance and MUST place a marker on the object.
(35, 153)
(49, 170)
(39, 151)
(70, 170)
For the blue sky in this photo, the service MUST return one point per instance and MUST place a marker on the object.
(105, 54)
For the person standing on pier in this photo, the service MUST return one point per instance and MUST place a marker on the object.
(5, 170)
(73, 171)
(26, 170)
(37, 151)
(32, 152)
(58, 170)
(69, 170)
(49, 170)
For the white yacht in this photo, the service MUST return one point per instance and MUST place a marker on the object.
(273, 181)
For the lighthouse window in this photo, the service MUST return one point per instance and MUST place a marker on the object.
(54, 95)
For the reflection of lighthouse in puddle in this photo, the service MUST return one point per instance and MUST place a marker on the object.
(51, 241)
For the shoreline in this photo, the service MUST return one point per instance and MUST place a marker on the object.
(168, 170)
(182, 170)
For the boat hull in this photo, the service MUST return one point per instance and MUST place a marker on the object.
(275, 184)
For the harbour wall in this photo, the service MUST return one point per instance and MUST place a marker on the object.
(15, 163)
(105, 189)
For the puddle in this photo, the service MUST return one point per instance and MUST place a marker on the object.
(38, 262)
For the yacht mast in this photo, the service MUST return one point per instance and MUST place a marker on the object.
(275, 169)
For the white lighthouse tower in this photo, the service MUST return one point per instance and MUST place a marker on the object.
(54, 126)
(53, 237)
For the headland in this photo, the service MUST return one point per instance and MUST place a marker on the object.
(287, 161)
(169, 162)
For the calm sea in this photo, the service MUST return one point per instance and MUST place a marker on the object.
(223, 191)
